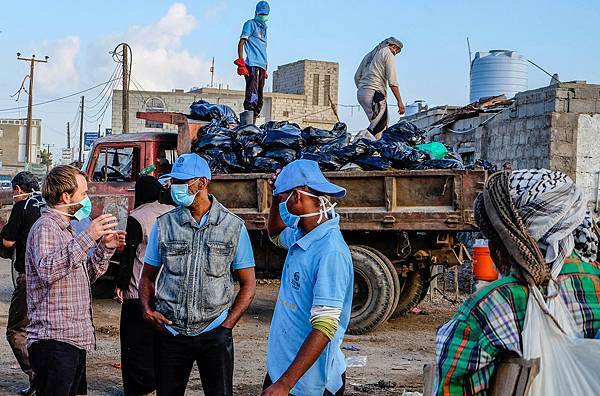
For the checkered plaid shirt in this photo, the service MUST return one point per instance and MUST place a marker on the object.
(59, 273)
(489, 325)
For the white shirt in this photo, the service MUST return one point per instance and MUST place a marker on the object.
(379, 73)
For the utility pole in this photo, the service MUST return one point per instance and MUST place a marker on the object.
(32, 62)
(126, 77)
(68, 135)
(81, 133)
(212, 72)
(47, 158)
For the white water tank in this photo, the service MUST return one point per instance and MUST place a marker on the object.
(497, 72)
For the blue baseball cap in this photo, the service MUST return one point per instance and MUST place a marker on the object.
(189, 166)
(301, 173)
(262, 8)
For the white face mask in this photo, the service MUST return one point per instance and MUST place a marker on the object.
(324, 204)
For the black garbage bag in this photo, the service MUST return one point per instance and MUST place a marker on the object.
(267, 165)
(205, 111)
(282, 134)
(221, 161)
(485, 164)
(440, 164)
(247, 133)
(372, 162)
(402, 155)
(359, 148)
(211, 157)
(404, 131)
(282, 155)
(326, 161)
(316, 136)
(248, 154)
(212, 140)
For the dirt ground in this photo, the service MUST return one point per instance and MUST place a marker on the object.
(396, 352)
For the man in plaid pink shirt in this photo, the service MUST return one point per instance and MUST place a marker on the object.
(59, 274)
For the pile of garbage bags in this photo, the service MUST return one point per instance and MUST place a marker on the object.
(249, 148)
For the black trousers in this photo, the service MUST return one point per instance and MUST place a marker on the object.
(212, 352)
(268, 382)
(255, 84)
(59, 368)
(17, 323)
(137, 350)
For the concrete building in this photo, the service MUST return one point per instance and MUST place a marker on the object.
(13, 138)
(303, 93)
(555, 127)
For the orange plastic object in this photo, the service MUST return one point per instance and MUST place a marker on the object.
(483, 266)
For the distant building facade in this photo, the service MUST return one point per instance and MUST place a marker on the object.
(304, 92)
(13, 144)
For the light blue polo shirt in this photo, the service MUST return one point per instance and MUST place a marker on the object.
(244, 258)
(256, 46)
(317, 271)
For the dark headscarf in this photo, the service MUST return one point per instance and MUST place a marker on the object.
(147, 189)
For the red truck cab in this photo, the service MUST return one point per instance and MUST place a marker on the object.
(114, 164)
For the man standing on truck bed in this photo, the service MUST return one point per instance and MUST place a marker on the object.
(315, 299)
(254, 68)
(59, 274)
(376, 71)
(200, 246)
(24, 214)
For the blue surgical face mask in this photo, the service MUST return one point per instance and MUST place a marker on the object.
(181, 194)
(289, 219)
(84, 212)
(262, 18)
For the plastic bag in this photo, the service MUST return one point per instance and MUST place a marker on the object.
(401, 154)
(327, 162)
(205, 111)
(373, 162)
(262, 164)
(212, 140)
(436, 150)
(282, 138)
(359, 148)
(315, 136)
(282, 155)
(568, 364)
(439, 164)
(404, 131)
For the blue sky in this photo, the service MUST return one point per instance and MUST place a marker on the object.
(173, 43)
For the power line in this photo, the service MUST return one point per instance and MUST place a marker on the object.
(95, 101)
(56, 99)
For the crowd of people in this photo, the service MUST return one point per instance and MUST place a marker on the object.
(176, 279)
(179, 263)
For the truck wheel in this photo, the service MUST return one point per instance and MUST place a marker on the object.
(373, 291)
(414, 290)
(393, 273)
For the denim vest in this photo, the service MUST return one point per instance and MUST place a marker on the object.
(196, 284)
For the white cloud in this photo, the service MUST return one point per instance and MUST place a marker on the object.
(159, 60)
(60, 74)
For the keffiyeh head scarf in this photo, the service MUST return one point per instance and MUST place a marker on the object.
(537, 218)
(388, 41)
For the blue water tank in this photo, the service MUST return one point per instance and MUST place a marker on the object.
(498, 72)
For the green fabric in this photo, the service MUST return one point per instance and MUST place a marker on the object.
(325, 325)
(435, 149)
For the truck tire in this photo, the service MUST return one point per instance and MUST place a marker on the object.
(414, 290)
(373, 291)
(394, 274)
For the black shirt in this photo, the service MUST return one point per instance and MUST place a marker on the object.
(132, 240)
(23, 215)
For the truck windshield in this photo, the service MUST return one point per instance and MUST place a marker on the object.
(115, 164)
